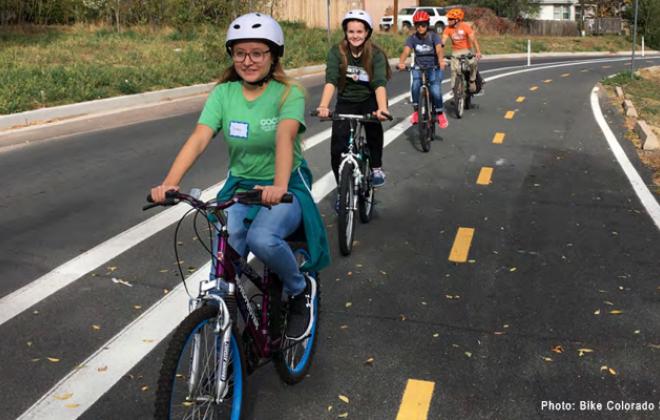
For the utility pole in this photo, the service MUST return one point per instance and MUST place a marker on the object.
(395, 16)
(632, 59)
(328, 19)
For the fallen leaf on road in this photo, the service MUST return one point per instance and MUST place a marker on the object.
(102, 369)
(145, 388)
(35, 312)
(558, 349)
(349, 304)
(436, 335)
(164, 271)
(383, 273)
(512, 269)
(29, 343)
(402, 317)
(64, 396)
(369, 361)
(343, 415)
(499, 332)
(616, 312)
(468, 354)
(329, 408)
(607, 302)
(655, 346)
(72, 405)
(120, 281)
(137, 306)
(53, 359)
(597, 312)
(612, 371)
(148, 340)
(581, 352)
(344, 398)
(36, 359)
(350, 273)
(546, 359)
(343, 327)
(96, 327)
(111, 269)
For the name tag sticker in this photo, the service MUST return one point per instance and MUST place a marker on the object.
(239, 129)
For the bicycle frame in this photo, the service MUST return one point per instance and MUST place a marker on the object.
(355, 154)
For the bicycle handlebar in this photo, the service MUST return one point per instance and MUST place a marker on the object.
(366, 118)
(252, 197)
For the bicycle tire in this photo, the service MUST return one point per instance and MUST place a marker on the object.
(175, 368)
(290, 368)
(367, 193)
(346, 222)
(459, 96)
(424, 120)
(468, 100)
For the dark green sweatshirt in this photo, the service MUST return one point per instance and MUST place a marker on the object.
(358, 87)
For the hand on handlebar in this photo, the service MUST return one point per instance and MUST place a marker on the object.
(382, 114)
(323, 112)
(158, 192)
(401, 66)
(271, 194)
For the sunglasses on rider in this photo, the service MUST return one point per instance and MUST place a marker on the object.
(423, 24)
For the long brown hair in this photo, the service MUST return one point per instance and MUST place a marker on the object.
(369, 48)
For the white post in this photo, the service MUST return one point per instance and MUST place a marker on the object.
(643, 54)
(529, 52)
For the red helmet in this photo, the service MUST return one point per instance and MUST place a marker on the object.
(421, 16)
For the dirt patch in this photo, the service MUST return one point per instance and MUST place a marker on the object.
(644, 93)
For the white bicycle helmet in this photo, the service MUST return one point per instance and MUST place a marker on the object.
(256, 26)
(358, 14)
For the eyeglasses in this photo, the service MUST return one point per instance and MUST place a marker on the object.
(255, 56)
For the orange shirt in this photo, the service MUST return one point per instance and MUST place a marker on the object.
(459, 35)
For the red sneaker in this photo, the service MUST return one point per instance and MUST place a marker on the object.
(442, 121)
(415, 118)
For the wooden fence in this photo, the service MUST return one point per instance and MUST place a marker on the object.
(602, 26)
(314, 12)
(549, 27)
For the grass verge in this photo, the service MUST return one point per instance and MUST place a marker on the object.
(56, 65)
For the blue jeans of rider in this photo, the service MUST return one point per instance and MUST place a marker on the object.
(434, 78)
(265, 239)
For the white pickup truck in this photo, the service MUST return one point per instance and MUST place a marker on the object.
(405, 18)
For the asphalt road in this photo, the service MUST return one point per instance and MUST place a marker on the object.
(563, 257)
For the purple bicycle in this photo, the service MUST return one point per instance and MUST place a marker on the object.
(206, 364)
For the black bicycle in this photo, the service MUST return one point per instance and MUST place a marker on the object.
(427, 113)
(461, 91)
(356, 190)
(204, 371)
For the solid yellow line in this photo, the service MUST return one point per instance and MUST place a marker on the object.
(498, 138)
(565, 75)
(485, 175)
(416, 400)
(520, 99)
(533, 88)
(607, 67)
(461, 248)
(509, 115)
(547, 81)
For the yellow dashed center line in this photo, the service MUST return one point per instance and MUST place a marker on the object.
(509, 115)
(533, 88)
(485, 176)
(547, 81)
(607, 67)
(461, 248)
(520, 99)
(416, 400)
(498, 138)
(565, 75)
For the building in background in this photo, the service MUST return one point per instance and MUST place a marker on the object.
(555, 10)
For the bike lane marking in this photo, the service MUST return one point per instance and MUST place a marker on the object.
(416, 400)
(122, 352)
(461, 248)
(498, 138)
(485, 176)
(39, 289)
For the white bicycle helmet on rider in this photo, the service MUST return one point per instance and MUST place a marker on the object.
(256, 26)
(362, 16)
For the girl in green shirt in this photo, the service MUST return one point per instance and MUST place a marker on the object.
(261, 114)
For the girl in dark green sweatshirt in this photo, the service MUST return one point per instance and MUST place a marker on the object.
(359, 70)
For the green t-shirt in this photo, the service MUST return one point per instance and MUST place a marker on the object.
(358, 87)
(249, 127)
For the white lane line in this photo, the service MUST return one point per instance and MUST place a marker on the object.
(639, 186)
(67, 273)
(114, 359)
(128, 347)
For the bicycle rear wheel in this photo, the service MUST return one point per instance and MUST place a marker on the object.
(459, 96)
(366, 194)
(347, 201)
(187, 384)
(294, 358)
(425, 122)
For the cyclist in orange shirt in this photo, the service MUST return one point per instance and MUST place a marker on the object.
(462, 39)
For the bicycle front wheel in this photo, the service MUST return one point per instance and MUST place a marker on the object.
(187, 385)
(459, 96)
(346, 222)
(424, 125)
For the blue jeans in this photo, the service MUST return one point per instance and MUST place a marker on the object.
(265, 239)
(434, 79)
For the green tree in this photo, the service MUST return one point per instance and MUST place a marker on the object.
(511, 9)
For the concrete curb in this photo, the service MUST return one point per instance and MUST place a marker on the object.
(22, 120)
(646, 134)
